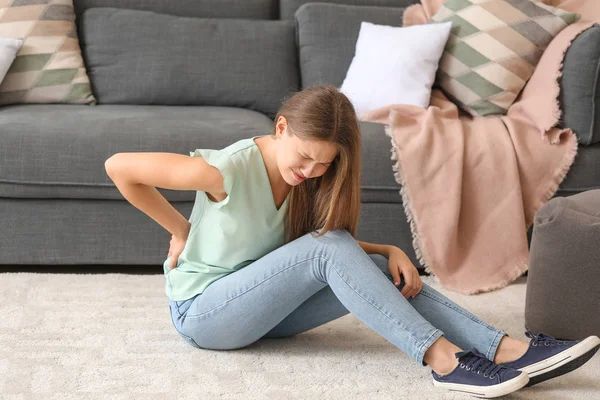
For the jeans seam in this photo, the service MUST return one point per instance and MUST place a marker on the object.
(421, 351)
(441, 301)
(178, 331)
(477, 320)
(494, 343)
(246, 291)
(177, 307)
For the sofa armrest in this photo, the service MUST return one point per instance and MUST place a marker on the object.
(580, 87)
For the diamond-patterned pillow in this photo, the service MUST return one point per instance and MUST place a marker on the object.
(493, 49)
(49, 67)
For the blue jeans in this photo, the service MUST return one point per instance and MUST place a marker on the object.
(311, 281)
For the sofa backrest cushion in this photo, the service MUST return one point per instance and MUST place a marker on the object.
(142, 57)
(248, 9)
(580, 87)
(287, 8)
(327, 35)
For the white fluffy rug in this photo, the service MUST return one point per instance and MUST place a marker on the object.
(109, 336)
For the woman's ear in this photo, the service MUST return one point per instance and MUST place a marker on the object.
(280, 126)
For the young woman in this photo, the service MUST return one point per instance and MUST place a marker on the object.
(270, 251)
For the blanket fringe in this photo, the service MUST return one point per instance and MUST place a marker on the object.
(516, 272)
(559, 176)
(570, 155)
(406, 203)
(521, 266)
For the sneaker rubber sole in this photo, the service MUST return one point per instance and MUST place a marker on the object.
(487, 392)
(564, 362)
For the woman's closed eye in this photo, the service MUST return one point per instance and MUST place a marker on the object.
(308, 158)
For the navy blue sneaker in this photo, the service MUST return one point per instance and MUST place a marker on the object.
(547, 357)
(480, 377)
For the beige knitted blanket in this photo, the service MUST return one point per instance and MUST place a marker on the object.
(472, 185)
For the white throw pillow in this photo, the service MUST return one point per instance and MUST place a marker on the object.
(394, 65)
(8, 51)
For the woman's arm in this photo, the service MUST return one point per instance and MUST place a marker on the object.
(398, 264)
(137, 175)
(371, 248)
(149, 200)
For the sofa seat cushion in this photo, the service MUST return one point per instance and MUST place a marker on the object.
(379, 184)
(58, 151)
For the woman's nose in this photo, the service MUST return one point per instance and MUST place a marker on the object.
(309, 171)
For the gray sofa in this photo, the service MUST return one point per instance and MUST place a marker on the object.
(173, 76)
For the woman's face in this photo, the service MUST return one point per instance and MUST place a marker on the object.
(300, 159)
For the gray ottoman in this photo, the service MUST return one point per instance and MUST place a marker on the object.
(563, 282)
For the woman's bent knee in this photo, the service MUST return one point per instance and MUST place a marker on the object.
(382, 262)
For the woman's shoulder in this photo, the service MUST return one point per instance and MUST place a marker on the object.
(236, 155)
(240, 146)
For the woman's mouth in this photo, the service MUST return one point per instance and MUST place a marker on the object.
(299, 178)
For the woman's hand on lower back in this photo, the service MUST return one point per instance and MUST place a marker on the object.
(177, 245)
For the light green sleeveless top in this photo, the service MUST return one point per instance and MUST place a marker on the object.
(226, 236)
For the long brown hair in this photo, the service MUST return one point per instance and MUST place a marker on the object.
(331, 201)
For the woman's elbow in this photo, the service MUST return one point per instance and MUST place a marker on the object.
(111, 165)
